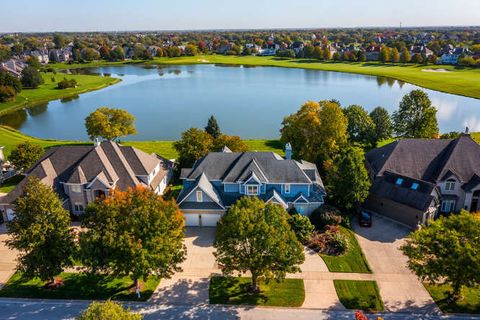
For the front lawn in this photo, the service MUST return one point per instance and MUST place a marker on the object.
(9, 184)
(468, 303)
(351, 261)
(234, 290)
(362, 295)
(79, 286)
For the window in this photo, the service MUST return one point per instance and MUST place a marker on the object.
(414, 186)
(450, 185)
(399, 181)
(287, 188)
(199, 196)
(76, 188)
(252, 190)
(448, 205)
(78, 207)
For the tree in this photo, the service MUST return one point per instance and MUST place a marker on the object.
(394, 55)
(405, 56)
(90, 54)
(191, 50)
(317, 53)
(327, 55)
(6, 79)
(308, 51)
(7, 93)
(384, 54)
(360, 126)
(302, 227)
(5, 53)
(447, 251)
(362, 56)
(133, 233)
(104, 52)
(31, 78)
(383, 124)
(333, 129)
(24, 155)
(40, 232)
(234, 143)
(107, 310)
(255, 236)
(109, 123)
(59, 40)
(213, 128)
(193, 144)
(348, 182)
(117, 54)
(416, 117)
(34, 63)
(417, 58)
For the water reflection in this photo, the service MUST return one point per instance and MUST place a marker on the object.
(68, 99)
(14, 119)
(38, 109)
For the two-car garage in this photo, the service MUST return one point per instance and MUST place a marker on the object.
(202, 219)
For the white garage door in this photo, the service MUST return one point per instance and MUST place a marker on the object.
(201, 220)
(192, 220)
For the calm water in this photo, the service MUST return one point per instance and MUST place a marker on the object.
(249, 102)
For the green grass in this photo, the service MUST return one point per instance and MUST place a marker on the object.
(234, 290)
(469, 303)
(79, 286)
(9, 184)
(362, 295)
(351, 261)
(48, 90)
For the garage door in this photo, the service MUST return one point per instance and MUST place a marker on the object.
(192, 220)
(201, 220)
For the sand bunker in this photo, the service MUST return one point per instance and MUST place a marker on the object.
(435, 70)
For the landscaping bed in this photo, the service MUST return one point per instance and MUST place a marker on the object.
(362, 295)
(352, 260)
(468, 303)
(234, 290)
(79, 286)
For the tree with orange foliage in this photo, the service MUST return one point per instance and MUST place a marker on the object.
(134, 233)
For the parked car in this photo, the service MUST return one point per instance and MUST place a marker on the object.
(365, 219)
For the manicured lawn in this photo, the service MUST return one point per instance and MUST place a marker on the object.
(79, 286)
(351, 261)
(48, 90)
(9, 184)
(233, 290)
(362, 295)
(9, 138)
(469, 303)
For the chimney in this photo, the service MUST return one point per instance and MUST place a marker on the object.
(288, 151)
(2, 156)
(97, 142)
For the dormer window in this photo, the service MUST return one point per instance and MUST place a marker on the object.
(287, 188)
(414, 186)
(252, 190)
(76, 188)
(450, 185)
(199, 196)
(399, 181)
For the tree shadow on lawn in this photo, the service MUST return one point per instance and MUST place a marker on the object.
(229, 290)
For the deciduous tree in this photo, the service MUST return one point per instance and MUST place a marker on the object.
(234, 143)
(360, 126)
(107, 310)
(383, 124)
(31, 78)
(193, 144)
(40, 232)
(447, 251)
(24, 155)
(133, 233)
(255, 236)
(416, 117)
(109, 123)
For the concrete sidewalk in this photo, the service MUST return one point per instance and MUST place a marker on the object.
(7, 257)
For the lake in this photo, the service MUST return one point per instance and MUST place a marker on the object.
(247, 101)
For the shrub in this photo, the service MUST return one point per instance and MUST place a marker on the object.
(65, 83)
(331, 242)
(326, 215)
(302, 227)
(7, 93)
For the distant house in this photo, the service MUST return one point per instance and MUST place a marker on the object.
(219, 179)
(81, 174)
(153, 50)
(13, 66)
(452, 56)
(60, 55)
(372, 53)
(422, 50)
(224, 48)
(416, 179)
(41, 55)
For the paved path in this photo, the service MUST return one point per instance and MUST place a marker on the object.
(7, 258)
(52, 310)
(399, 288)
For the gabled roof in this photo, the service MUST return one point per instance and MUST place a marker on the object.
(204, 185)
(428, 159)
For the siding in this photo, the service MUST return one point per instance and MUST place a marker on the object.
(394, 210)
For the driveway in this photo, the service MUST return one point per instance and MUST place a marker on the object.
(399, 287)
(7, 257)
(190, 286)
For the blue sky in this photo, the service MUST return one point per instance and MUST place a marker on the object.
(109, 15)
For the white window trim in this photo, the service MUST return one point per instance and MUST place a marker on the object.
(249, 193)
(79, 190)
(77, 205)
(450, 204)
(199, 195)
(450, 186)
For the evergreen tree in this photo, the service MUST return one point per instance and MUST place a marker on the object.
(213, 128)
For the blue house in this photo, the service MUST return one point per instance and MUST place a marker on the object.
(219, 179)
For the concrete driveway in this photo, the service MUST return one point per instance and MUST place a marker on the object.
(7, 257)
(190, 286)
(399, 287)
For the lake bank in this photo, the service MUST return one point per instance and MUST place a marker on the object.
(459, 81)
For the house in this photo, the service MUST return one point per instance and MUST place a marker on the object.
(219, 179)
(80, 174)
(414, 180)
(420, 49)
(13, 66)
(41, 56)
(372, 53)
(60, 55)
(452, 56)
